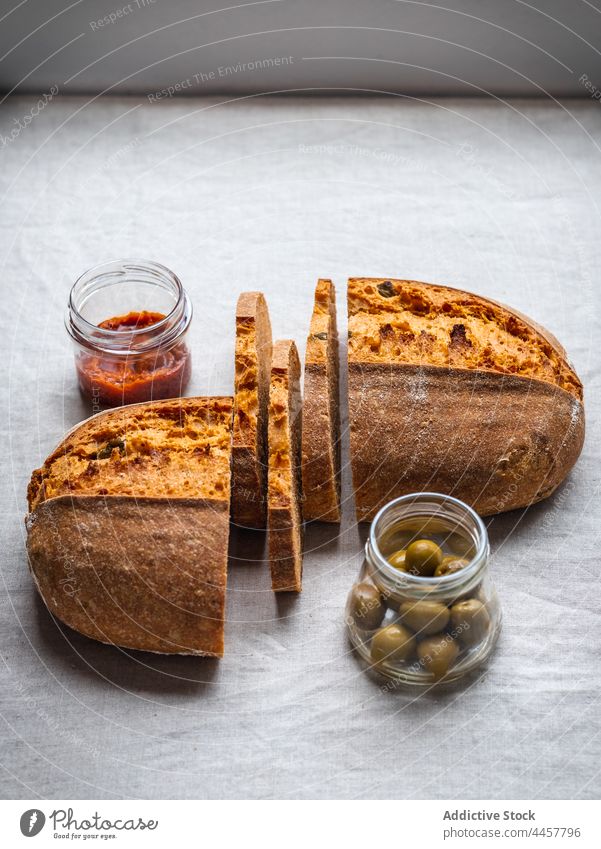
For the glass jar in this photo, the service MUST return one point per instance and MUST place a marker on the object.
(128, 320)
(414, 626)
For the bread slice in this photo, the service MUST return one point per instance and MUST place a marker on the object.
(129, 525)
(321, 413)
(249, 452)
(455, 393)
(284, 491)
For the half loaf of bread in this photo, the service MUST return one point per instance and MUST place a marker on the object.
(454, 393)
(284, 489)
(129, 524)
(251, 397)
(321, 412)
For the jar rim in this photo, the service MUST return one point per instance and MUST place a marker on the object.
(411, 581)
(89, 334)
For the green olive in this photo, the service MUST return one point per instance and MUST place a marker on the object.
(437, 654)
(423, 557)
(367, 607)
(398, 560)
(471, 621)
(425, 617)
(450, 564)
(392, 643)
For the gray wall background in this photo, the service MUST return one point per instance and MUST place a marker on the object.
(466, 47)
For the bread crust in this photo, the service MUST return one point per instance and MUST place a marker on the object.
(249, 445)
(321, 412)
(142, 573)
(143, 568)
(452, 392)
(284, 486)
(498, 442)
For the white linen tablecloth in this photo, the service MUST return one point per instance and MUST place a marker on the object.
(270, 193)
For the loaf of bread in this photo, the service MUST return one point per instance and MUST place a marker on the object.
(251, 397)
(454, 393)
(129, 524)
(284, 475)
(321, 413)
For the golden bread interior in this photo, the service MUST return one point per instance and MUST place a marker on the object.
(163, 449)
(285, 428)
(323, 322)
(403, 321)
(253, 357)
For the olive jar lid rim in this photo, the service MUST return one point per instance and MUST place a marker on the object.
(443, 581)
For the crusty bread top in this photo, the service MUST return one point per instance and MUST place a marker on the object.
(167, 449)
(253, 351)
(405, 321)
(284, 407)
(322, 319)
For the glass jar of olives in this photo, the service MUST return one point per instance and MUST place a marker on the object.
(424, 608)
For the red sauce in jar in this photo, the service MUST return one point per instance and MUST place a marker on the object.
(115, 380)
(132, 321)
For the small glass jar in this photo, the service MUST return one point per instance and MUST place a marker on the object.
(420, 629)
(128, 320)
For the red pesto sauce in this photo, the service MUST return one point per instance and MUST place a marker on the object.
(113, 381)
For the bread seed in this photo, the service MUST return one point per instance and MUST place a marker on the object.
(108, 449)
(386, 289)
